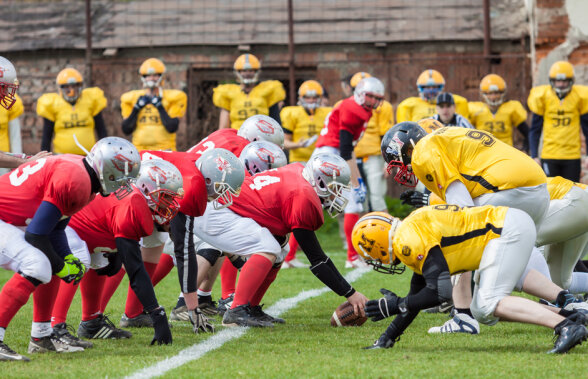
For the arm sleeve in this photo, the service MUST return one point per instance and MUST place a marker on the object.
(130, 123)
(535, 134)
(15, 136)
(320, 265)
(170, 124)
(345, 144)
(138, 277)
(59, 239)
(100, 126)
(584, 124)
(458, 194)
(523, 128)
(47, 134)
(274, 112)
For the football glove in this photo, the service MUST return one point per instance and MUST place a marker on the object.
(200, 322)
(142, 101)
(415, 198)
(73, 270)
(156, 101)
(383, 307)
(384, 342)
(360, 191)
(114, 264)
(162, 333)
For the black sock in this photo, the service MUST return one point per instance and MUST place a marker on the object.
(181, 302)
(465, 310)
(204, 299)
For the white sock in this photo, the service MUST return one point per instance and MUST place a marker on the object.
(579, 282)
(2, 332)
(181, 295)
(203, 293)
(41, 329)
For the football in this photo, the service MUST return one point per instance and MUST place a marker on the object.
(344, 316)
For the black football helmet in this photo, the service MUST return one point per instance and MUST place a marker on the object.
(397, 146)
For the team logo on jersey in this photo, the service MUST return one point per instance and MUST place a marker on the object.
(330, 169)
(223, 165)
(406, 251)
(265, 127)
(265, 155)
(420, 257)
(122, 163)
(429, 177)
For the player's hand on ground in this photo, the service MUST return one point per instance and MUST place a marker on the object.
(383, 307)
(200, 322)
(114, 264)
(384, 342)
(162, 333)
(415, 198)
(358, 300)
(73, 270)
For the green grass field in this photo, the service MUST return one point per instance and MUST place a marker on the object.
(306, 346)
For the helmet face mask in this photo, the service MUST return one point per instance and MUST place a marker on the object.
(151, 72)
(223, 174)
(247, 69)
(161, 184)
(310, 94)
(429, 84)
(330, 176)
(261, 156)
(493, 90)
(397, 146)
(561, 78)
(369, 93)
(70, 83)
(372, 238)
(262, 128)
(8, 84)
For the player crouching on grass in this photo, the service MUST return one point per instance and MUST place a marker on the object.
(439, 241)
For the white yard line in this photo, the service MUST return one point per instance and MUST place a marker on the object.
(220, 338)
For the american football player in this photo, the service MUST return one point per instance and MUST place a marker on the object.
(73, 110)
(111, 229)
(343, 129)
(438, 241)
(238, 102)
(271, 205)
(446, 114)
(34, 244)
(152, 114)
(559, 110)
(496, 115)
(429, 84)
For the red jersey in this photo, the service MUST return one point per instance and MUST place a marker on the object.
(107, 218)
(60, 180)
(348, 115)
(224, 138)
(193, 203)
(280, 200)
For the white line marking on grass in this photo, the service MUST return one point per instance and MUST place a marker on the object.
(220, 338)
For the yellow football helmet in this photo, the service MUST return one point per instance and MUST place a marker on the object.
(152, 66)
(249, 65)
(372, 238)
(493, 89)
(69, 82)
(430, 83)
(430, 125)
(356, 78)
(310, 89)
(561, 71)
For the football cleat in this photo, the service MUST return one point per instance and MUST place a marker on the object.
(356, 263)
(224, 304)
(101, 327)
(179, 314)
(294, 263)
(567, 336)
(141, 321)
(445, 307)
(460, 323)
(63, 331)
(257, 313)
(7, 354)
(241, 316)
(58, 344)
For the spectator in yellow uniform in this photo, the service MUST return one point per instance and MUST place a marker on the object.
(558, 111)
(73, 111)
(497, 116)
(429, 84)
(240, 101)
(152, 114)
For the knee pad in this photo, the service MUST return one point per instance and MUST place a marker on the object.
(211, 255)
(39, 270)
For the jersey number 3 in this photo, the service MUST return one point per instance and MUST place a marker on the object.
(17, 178)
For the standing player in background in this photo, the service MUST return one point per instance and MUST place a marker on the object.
(152, 114)
(445, 112)
(342, 130)
(73, 111)
(429, 84)
(240, 101)
(497, 116)
(559, 111)
(302, 124)
(53, 188)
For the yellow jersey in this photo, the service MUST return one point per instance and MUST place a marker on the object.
(303, 126)
(243, 105)
(6, 116)
(501, 124)
(73, 119)
(561, 120)
(461, 233)
(150, 134)
(558, 187)
(475, 158)
(415, 108)
(370, 143)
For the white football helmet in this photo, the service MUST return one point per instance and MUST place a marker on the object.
(330, 176)
(262, 128)
(116, 161)
(224, 174)
(260, 156)
(369, 86)
(161, 184)
(8, 83)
